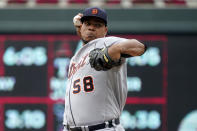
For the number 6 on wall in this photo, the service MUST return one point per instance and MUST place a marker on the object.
(88, 85)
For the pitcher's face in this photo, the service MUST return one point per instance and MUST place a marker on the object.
(93, 28)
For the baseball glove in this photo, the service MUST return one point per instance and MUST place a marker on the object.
(100, 59)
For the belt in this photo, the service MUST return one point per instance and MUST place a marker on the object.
(108, 124)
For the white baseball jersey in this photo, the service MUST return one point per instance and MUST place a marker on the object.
(93, 97)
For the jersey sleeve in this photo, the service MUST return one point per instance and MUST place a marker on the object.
(114, 40)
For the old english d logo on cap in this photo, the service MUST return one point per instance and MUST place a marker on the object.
(94, 11)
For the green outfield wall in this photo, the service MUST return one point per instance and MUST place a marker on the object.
(120, 20)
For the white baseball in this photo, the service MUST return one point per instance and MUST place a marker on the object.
(76, 20)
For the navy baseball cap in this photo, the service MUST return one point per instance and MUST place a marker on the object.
(95, 12)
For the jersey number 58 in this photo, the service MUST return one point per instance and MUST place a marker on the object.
(88, 85)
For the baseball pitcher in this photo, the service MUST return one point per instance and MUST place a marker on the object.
(97, 79)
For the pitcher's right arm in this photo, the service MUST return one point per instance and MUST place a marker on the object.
(77, 23)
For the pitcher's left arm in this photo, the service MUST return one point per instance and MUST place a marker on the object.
(128, 48)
